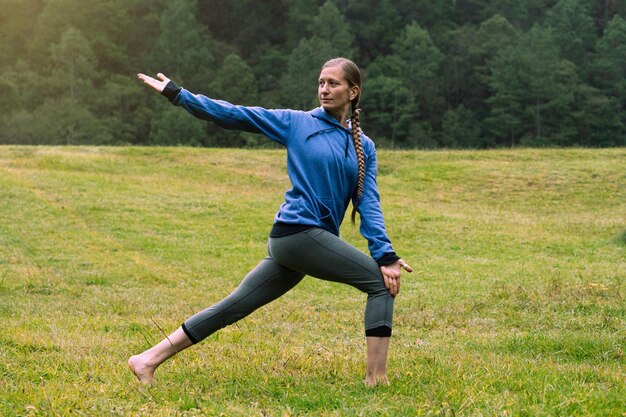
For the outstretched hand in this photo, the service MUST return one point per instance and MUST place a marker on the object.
(391, 275)
(158, 85)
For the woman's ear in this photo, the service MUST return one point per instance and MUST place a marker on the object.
(354, 92)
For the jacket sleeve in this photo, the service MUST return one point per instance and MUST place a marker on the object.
(274, 124)
(372, 221)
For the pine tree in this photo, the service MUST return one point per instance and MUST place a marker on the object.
(375, 24)
(609, 76)
(174, 127)
(330, 38)
(460, 129)
(74, 64)
(235, 82)
(533, 92)
(388, 109)
(17, 18)
(573, 31)
(417, 63)
(184, 49)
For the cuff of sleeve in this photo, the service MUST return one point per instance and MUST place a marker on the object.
(387, 259)
(189, 335)
(171, 90)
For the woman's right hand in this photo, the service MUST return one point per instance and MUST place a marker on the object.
(391, 275)
(153, 82)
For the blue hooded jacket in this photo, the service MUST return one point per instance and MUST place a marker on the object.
(321, 164)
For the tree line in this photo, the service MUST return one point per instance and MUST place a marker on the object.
(459, 74)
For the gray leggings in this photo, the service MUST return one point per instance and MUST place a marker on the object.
(313, 252)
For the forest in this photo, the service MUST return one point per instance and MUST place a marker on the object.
(437, 74)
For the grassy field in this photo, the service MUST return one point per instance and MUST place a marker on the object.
(516, 308)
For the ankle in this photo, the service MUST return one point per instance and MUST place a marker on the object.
(376, 373)
(144, 359)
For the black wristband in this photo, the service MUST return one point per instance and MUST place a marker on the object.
(171, 90)
(387, 259)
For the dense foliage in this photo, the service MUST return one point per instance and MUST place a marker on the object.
(464, 73)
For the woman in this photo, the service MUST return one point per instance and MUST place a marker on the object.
(327, 171)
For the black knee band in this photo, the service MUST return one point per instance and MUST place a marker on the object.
(193, 339)
(380, 331)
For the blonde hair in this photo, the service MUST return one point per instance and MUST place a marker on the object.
(353, 76)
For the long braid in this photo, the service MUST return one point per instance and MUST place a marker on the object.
(353, 76)
(360, 156)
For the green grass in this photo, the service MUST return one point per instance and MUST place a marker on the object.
(516, 308)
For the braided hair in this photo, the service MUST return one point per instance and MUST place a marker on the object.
(353, 76)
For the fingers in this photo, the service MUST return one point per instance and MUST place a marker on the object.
(405, 266)
(391, 276)
(158, 85)
(160, 75)
(146, 79)
(392, 284)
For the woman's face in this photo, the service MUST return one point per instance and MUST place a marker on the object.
(334, 92)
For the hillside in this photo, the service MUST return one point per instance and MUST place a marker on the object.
(516, 306)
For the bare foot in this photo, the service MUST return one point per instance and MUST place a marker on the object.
(143, 372)
(372, 381)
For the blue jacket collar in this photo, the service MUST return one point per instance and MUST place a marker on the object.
(320, 113)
